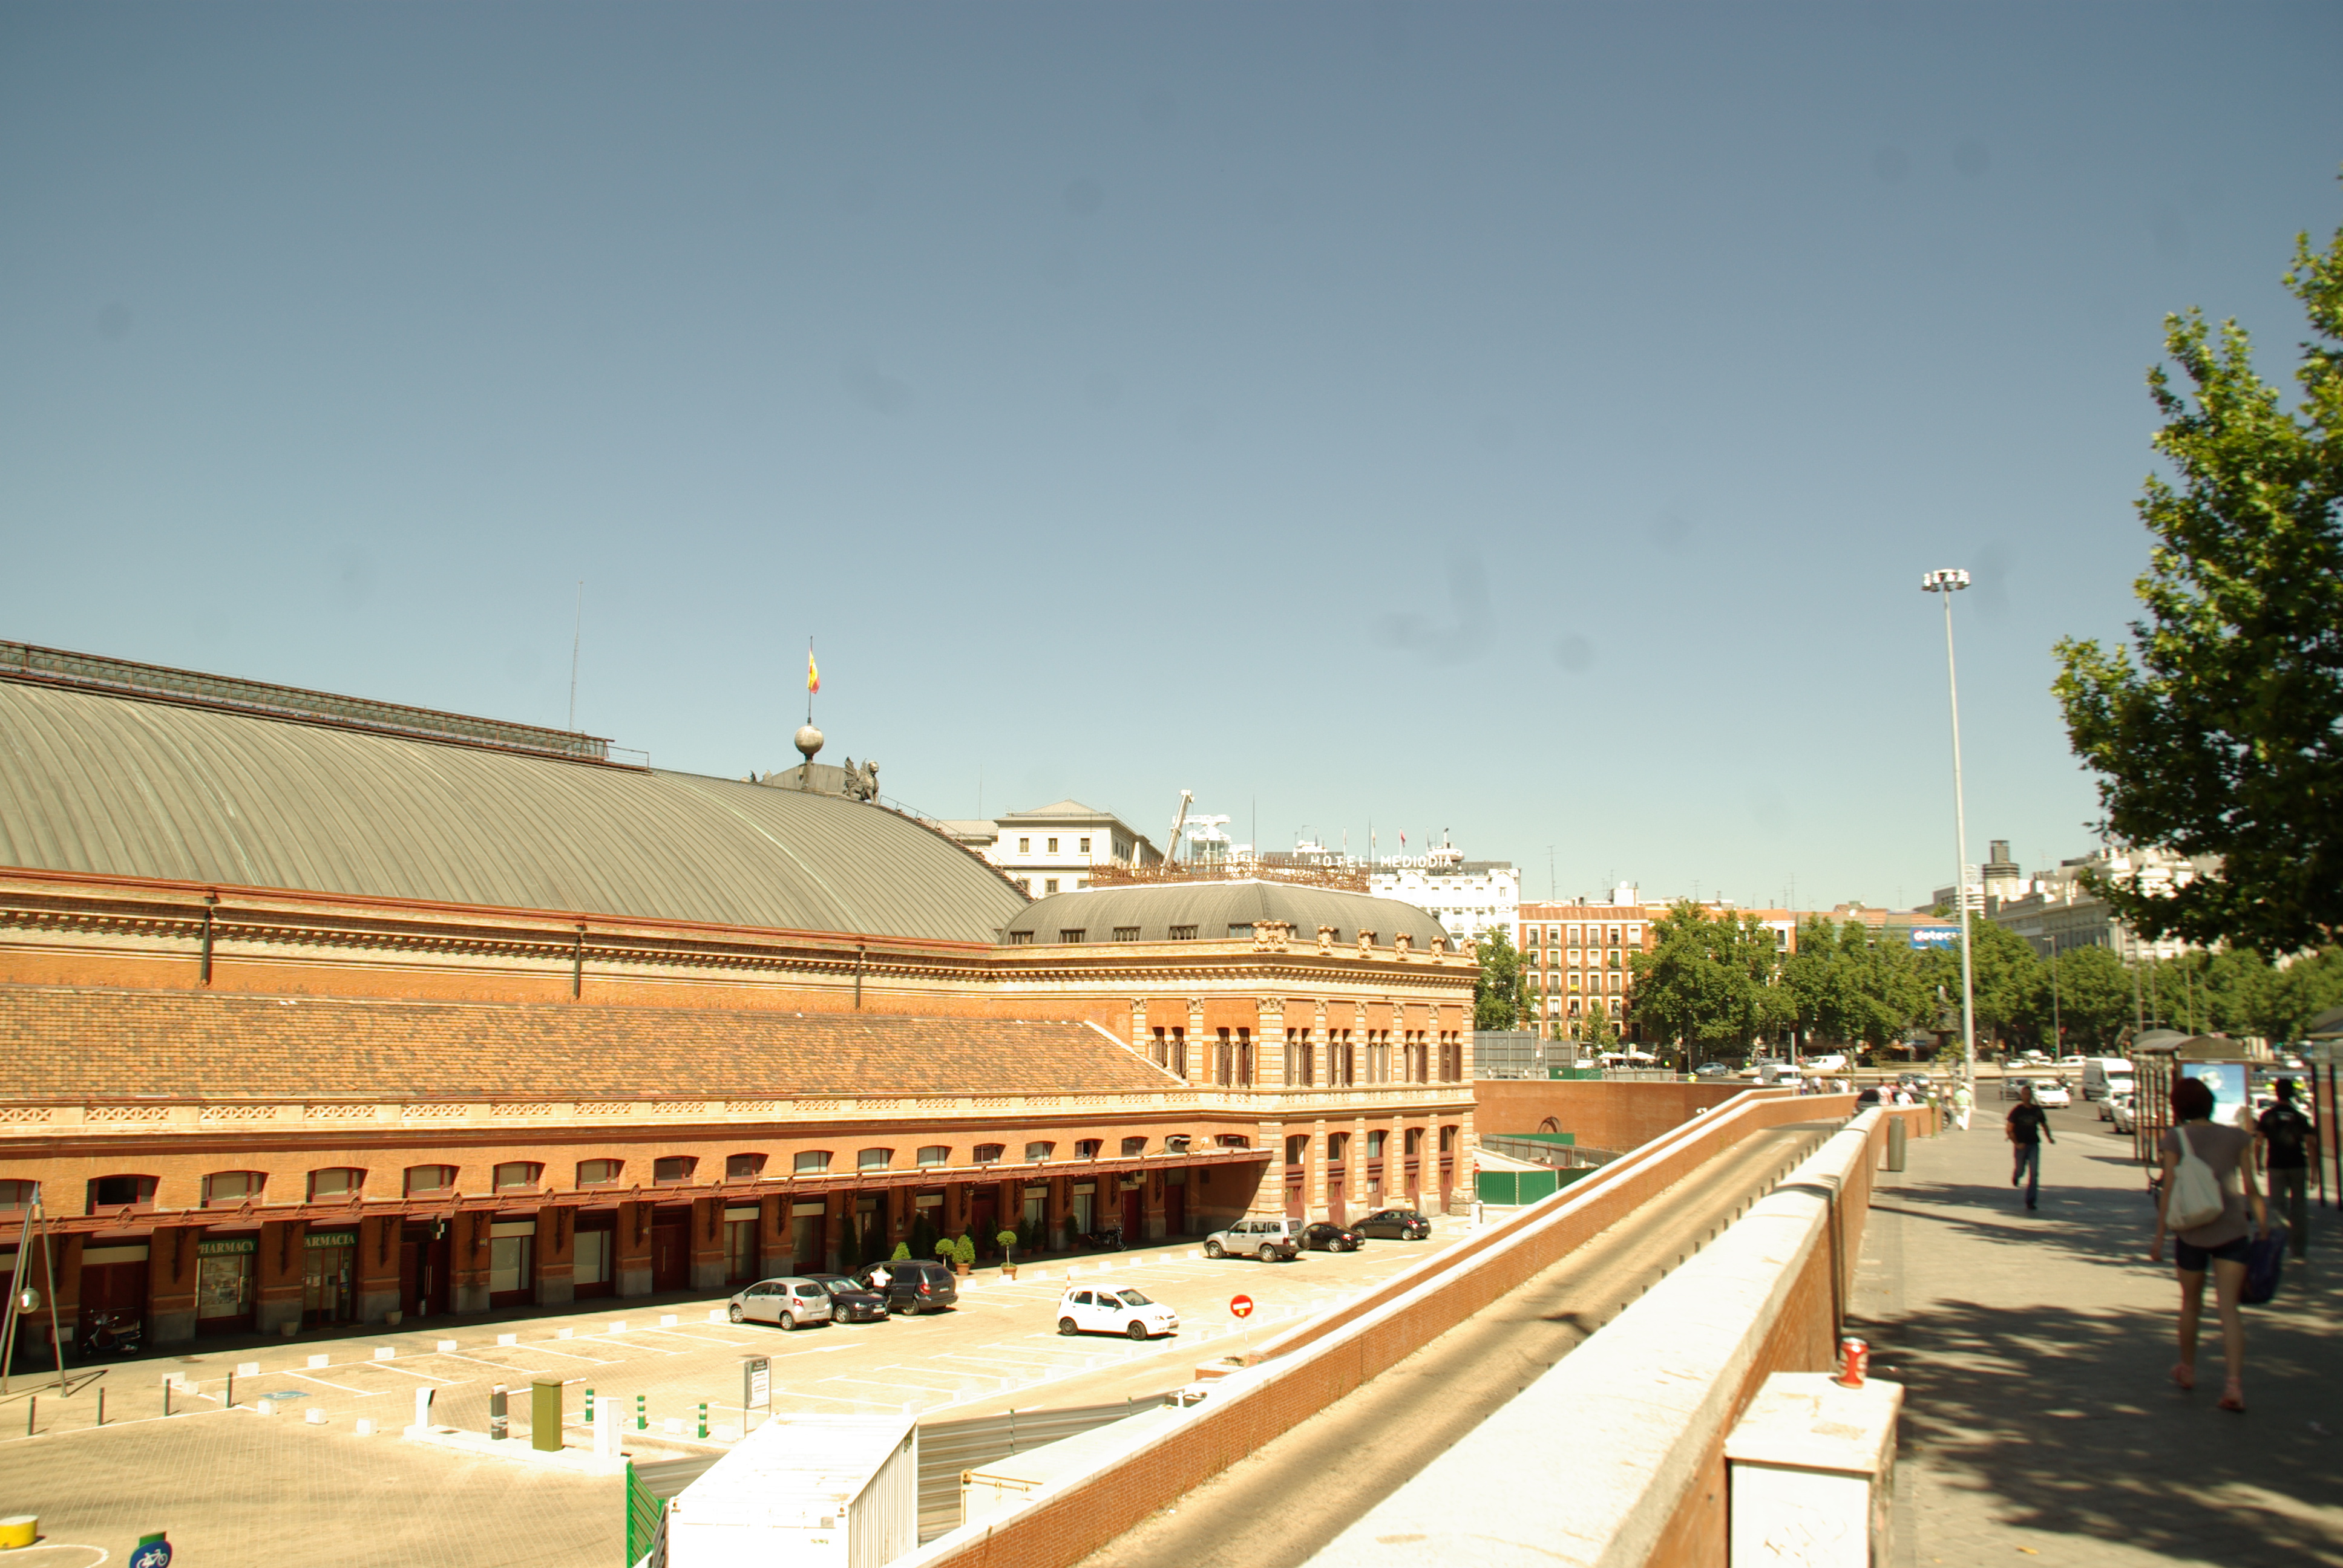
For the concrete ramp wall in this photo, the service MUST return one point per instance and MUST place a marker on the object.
(1316, 1363)
(1645, 1403)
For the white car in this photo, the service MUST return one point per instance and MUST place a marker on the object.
(2052, 1094)
(783, 1302)
(1086, 1311)
(2119, 1112)
(1834, 1062)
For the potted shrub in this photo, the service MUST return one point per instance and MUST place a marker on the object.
(963, 1253)
(902, 1250)
(1008, 1240)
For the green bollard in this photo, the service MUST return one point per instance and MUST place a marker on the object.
(589, 1407)
(703, 1418)
(642, 1413)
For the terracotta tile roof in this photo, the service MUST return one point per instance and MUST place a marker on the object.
(70, 1042)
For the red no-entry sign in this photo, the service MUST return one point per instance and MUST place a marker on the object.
(1241, 1306)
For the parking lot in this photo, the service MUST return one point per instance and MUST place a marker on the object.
(665, 1357)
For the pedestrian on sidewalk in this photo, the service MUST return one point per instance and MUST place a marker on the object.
(2221, 1244)
(2028, 1127)
(2285, 1153)
(1963, 1102)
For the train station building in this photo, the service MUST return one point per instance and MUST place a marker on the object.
(315, 1009)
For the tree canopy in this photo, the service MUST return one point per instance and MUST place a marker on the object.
(1708, 981)
(1500, 994)
(2219, 733)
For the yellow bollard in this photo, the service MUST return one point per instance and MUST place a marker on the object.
(19, 1529)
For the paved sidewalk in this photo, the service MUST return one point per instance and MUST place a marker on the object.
(2039, 1421)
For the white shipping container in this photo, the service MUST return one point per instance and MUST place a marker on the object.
(841, 1491)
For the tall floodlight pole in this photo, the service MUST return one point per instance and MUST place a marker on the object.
(1948, 582)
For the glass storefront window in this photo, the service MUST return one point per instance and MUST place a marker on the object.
(590, 1263)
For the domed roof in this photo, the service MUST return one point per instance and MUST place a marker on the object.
(116, 786)
(1215, 912)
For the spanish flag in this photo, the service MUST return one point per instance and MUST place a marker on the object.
(813, 675)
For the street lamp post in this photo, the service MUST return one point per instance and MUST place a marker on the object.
(1948, 582)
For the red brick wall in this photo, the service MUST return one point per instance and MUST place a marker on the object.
(1604, 1115)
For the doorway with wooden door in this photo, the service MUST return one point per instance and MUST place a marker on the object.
(670, 1249)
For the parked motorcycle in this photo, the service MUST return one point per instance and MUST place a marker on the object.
(1105, 1239)
(115, 1334)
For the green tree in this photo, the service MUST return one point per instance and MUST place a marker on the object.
(2094, 1000)
(1710, 981)
(1595, 1030)
(2011, 982)
(2222, 735)
(1500, 996)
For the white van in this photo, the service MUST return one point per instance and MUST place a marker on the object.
(2098, 1070)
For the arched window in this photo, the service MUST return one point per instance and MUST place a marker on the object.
(518, 1175)
(120, 1192)
(599, 1172)
(812, 1162)
(1297, 1148)
(226, 1189)
(1088, 1148)
(14, 1195)
(1448, 1140)
(336, 1183)
(986, 1153)
(1414, 1141)
(873, 1158)
(1035, 1154)
(422, 1180)
(1338, 1147)
(1133, 1148)
(935, 1154)
(673, 1170)
(743, 1167)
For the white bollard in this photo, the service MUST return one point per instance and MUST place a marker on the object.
(1105, 1267)
(447, 1347)
(507, 1339)
(264, 1406)
(667, 1319)
(1194, 1253)
(314, 1416)
(564, 1333)
(247, 1368)
(386, 1352)
(715, 1314)
(618, 1328)
(1073, 1269)
(606, 1429)
(317, 1362)
(365, 1427)
(675, 1426)
(423, 1410)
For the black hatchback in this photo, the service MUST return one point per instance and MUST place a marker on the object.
(850, 1302)
(1395, 1224)
(1324, 1236)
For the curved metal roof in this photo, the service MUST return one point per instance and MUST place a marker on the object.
(1211, 907)
(127, 788)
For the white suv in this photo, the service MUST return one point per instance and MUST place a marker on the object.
(1268, 1240)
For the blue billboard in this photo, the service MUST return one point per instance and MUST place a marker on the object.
(1936, 936)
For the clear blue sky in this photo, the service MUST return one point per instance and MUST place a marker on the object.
(1531, 421)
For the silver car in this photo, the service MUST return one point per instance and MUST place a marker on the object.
(1271, 1240)
(786, 1302)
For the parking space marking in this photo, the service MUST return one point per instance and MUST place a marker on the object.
(325, 1383)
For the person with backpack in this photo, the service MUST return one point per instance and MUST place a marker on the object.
(2028, 1127)
(2203, 1192)
(2285, 1149)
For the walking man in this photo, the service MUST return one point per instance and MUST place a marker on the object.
(2284, 1133)
(2029, 1128)
(1962, 1103)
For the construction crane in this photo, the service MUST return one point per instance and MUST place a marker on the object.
(1179, 820)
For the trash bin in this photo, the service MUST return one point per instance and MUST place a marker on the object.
(1896, 1134)
(1813, 1474)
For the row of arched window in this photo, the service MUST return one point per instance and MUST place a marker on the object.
(232, 1189)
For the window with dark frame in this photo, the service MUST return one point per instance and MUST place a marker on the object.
(599, 1172)
(673, 1170)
